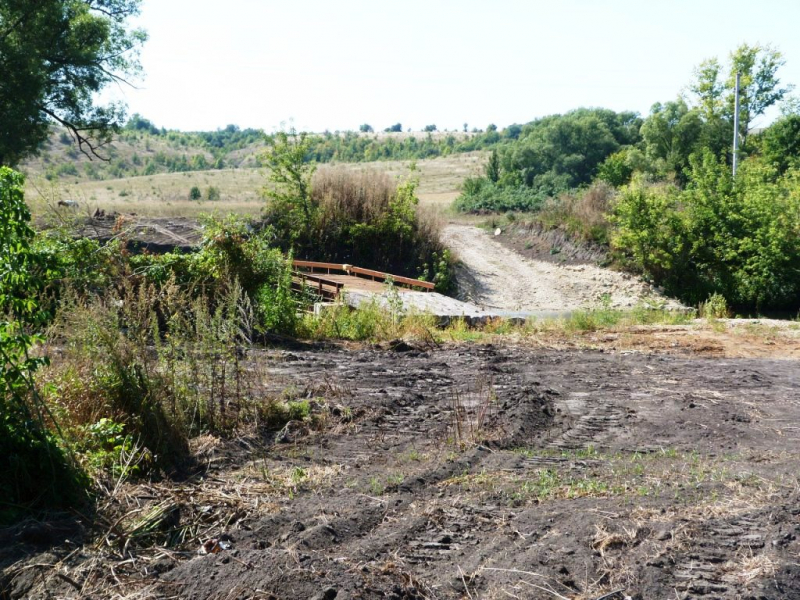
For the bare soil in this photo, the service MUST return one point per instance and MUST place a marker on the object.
(495, 276)
(471, 471)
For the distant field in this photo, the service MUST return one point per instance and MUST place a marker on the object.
(167, 194)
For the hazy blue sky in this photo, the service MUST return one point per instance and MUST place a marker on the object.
(335, 64)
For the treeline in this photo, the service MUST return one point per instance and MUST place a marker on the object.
(354, 147)
(558, 153)
(146, 149)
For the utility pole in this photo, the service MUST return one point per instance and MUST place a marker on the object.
(736, 125)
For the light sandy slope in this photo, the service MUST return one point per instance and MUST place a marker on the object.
(502, 279)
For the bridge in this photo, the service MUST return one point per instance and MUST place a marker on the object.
(354, 286)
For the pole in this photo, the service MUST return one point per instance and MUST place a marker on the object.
(736, 126)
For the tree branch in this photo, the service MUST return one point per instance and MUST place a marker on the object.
(77, 135)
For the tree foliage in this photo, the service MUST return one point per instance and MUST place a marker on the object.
(289, 174)
(739, 239)
(780, 143)
(549, 156)
(35, 472)
(55, 55)
(759, 87)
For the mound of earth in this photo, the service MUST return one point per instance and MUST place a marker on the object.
(152, 234)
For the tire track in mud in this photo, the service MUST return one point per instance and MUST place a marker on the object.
(411, 514)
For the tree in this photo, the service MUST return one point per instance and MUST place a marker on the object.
(35, 472)
(396, 128)
(493, 167)
(759, 86)
(55, 55)
(780, 144)
(366, 128)
(429, 128)
(289, 202)
(671, 134)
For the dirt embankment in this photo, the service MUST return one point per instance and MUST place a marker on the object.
(495, 276)
(477, 472)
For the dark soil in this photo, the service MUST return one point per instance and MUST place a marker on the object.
(151, 234)
(555, 245)
(479, 471)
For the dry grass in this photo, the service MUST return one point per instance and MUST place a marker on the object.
(583, 214)
(362, 196)
(167, 194)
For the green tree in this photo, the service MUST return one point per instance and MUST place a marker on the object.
(289, 193)
(739, 239)
(562, 151)
(430, 128)
(493, 167)
(396, 128)
(366, 128)
(615, 170)
(55, 55)
(780, 144)
(759, 86)
(671, 134)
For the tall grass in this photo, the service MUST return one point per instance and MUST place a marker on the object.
(165, 363)
(365, 218)
(583, 214)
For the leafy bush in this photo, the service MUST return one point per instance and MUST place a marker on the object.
(481, 195)
(738, 239)
(363, 218)
(212, 193)
(551, 156)
(616, 169)
(195, 193)
(36, 473)
(780, 143)
(583, 214)
(716, 307)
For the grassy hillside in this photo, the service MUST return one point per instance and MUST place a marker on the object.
(238, 189)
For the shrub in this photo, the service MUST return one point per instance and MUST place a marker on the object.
(212, 193)
(716, 307)
(480, 195)
(160, 362)
(616, 169)
(363, 218)
(738, 239)
(36, 474)
(195, 193)
(584, 214)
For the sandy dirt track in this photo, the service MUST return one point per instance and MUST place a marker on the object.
(497, 277)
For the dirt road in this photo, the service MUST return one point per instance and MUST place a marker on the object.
(497, 277)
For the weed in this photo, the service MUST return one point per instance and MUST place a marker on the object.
(471, 413)
(716, 307)
(376, 487)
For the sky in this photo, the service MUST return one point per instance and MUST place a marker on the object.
(336, 64)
